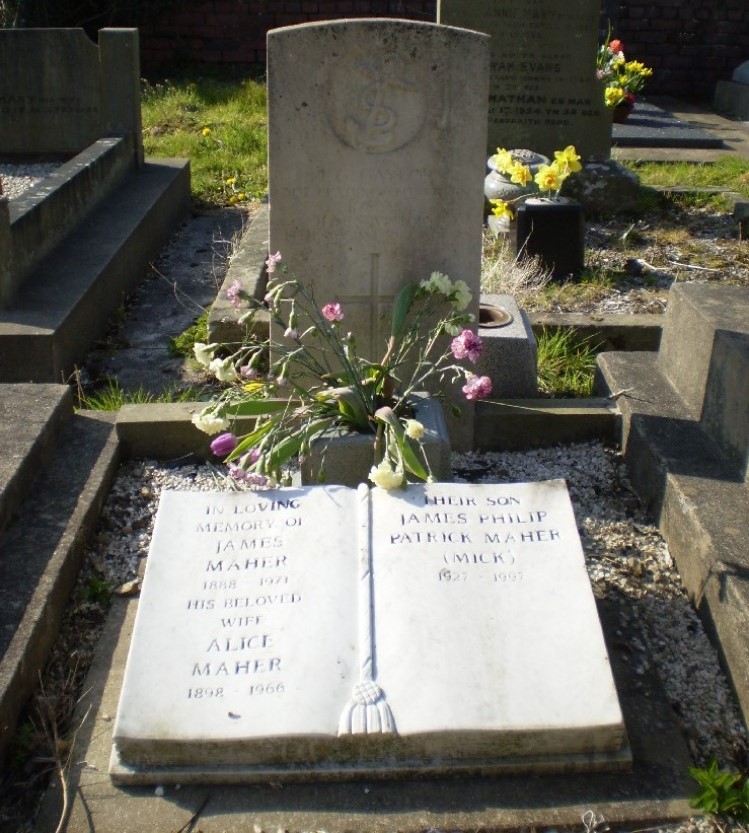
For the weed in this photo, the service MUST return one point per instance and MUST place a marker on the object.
(721, 793)
(566, 363)
(182, 345)
(98, 591)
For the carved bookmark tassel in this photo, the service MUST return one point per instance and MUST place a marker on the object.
(367, 711)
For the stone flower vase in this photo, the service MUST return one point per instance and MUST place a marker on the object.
(346, 458)
(552, 229)
(497, 186)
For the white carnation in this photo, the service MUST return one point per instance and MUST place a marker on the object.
(384, 476)
(209, 423)
(223, 370)
(204, 352)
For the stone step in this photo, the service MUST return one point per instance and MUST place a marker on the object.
(65, 303)
(704, 354)
(44, 214)
(695, 494)
(31, 418)
(41, 552)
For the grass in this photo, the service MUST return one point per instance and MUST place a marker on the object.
(220, 126)
(566, 363)
(729, 172)
(112, 397)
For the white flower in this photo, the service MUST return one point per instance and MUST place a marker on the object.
(463, 294)
(438, 283)
(414, 429)
(384, 476)
(209, 423)
(204, 352)
(223, 370)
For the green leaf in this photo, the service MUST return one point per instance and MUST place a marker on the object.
(401, 308)
(410, 461)
(251, 440)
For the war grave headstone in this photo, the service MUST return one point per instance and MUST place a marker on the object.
(376, 159)
(544, 94)
(441, 629)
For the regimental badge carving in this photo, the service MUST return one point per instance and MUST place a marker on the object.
(377, 102)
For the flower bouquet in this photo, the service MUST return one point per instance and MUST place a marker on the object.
(623, 79)
(548, 179)
(311, 380)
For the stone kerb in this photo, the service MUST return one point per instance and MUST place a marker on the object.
(59, 92)
(376, 160)
(544, 94)
(34, 223)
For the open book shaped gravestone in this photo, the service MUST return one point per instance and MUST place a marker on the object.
(330, 632)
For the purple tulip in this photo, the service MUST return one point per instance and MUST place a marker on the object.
(224, 444)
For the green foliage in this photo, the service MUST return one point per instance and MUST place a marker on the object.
(566, 363)
(220, 126)
(721, 793)
(183, 344)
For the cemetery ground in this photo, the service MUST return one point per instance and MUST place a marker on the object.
(628, 562)
(634, 258)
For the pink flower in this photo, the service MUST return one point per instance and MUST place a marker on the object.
(332, 312)
(292, 333)
(477, 387)
(241, 476)
(272, 261)
(224, 444)
(467, 346)
(248, 372)
(233, 293)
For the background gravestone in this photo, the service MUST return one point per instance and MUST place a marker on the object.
(73, 92)
(544, 94)
(376, 160)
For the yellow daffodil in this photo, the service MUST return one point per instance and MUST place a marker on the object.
(206, 131)
(568, 159)
(549, 178)
(231, 180)
(613, 96)
(501, 209)
(503, 161)
(520, 174)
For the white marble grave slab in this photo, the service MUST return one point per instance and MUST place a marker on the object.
(332, 632)
(487, 633)
(244, 646)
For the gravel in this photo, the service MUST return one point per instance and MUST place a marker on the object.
(16, 178)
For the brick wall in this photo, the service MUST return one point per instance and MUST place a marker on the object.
(233, 31)
(690, 44)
